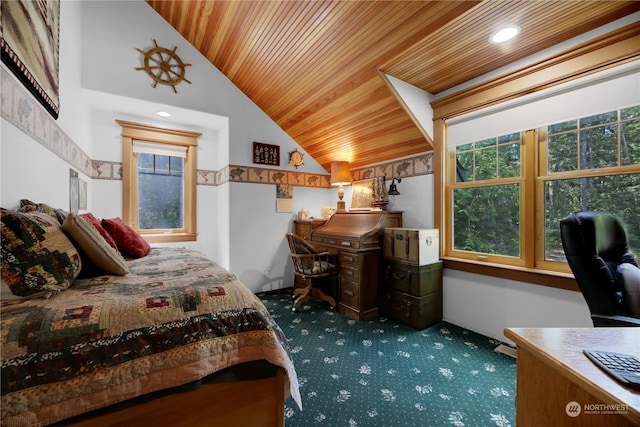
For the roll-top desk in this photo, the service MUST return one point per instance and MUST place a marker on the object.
(356, 238)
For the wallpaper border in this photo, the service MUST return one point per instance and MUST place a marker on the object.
(23, 111)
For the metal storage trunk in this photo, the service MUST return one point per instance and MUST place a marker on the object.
(418, 312)
(420, 246)
(417, 280)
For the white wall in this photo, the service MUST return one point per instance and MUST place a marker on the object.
(30, 171)
(415, 201)
(259, 250)
(418, 101)
(488, 304)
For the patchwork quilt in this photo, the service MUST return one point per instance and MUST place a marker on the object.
(175, 318)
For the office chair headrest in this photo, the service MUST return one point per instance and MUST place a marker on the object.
(604, 234)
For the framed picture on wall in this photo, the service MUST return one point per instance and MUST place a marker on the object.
(266, 154)
(284, 198)
(361, 195)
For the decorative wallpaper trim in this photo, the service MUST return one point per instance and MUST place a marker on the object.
(277, 176)
(102, 169)
(21, 110)
(421, 164)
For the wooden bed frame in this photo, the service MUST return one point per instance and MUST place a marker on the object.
(255, 403)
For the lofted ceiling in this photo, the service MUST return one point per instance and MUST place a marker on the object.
(317, 67)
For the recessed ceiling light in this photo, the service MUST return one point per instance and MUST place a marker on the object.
(163, 114)
(504, 34)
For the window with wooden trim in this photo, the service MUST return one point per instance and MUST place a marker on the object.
(591, 163)
(507, 194)
(159, 182)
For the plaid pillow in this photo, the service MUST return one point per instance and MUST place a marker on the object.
(29, 206)
(37, 257)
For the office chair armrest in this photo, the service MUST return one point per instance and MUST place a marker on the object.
(603, 320)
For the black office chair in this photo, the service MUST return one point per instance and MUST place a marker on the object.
(595, 243)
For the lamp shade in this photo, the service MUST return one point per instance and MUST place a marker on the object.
(340, 174)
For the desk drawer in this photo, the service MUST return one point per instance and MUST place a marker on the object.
(335, 242)
(349, 273)
(349, 259)
(321, 248)
(349, 293)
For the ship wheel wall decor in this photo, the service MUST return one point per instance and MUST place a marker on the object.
(164, 66)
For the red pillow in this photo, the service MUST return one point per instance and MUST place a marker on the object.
(129, 242)
(96, 223)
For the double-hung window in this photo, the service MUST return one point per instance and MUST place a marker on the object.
(486, 194)
(590, 163)
(159, 182)
(507, 194)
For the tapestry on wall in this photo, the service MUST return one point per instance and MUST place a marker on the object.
(30, 47)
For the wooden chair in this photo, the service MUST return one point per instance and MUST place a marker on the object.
(308, 263)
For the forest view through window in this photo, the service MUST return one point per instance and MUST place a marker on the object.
(500, 206)
(592, 164)
(160, 192)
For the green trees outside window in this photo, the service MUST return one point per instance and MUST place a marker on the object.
(591, 163)
(160, 192)
(603, 153)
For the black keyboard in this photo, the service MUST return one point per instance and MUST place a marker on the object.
(624, 368)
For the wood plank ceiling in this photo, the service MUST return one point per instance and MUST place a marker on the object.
(313, 66)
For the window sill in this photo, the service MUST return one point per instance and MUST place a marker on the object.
(169, 237)
(552, 279)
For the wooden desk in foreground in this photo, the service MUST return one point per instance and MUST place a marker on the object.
(558, 386)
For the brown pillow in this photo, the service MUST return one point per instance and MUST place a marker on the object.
(93, 246)
(96, 223)
(37, 257)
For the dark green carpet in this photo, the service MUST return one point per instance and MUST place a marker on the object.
(384, 373)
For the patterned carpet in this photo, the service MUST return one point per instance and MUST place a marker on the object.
(384, 373)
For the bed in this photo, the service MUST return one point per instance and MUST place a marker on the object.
(178, 340)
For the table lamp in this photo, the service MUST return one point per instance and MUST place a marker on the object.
(340, 176)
